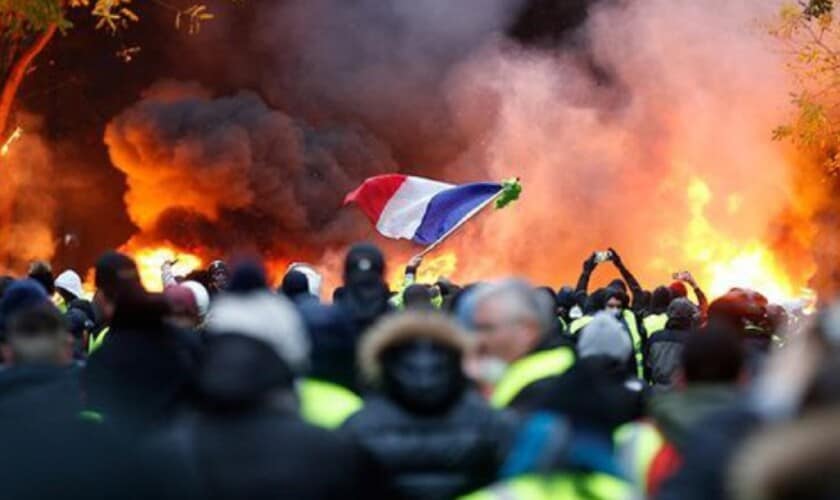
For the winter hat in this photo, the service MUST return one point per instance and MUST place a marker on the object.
(661, 298)
(181, 299)
(71, 283)
(294, 284)
(682, 309)
(678, 289)
(604, 336)
(248, 276)
(363, 262)
(313, 277)
(264, 317)
(21, 296)
(202, 297)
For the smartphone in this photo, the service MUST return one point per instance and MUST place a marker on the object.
(602, 256)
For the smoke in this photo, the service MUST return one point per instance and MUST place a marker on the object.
(683, 91)
(219, 173)
(27, 199)
(607, 134)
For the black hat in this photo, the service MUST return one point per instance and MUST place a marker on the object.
(364, 260)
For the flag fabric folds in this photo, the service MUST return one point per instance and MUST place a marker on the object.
(419, 209)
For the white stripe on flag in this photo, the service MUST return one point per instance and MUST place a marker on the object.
(404, 212)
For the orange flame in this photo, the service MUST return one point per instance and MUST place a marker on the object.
(150, 259)
(723, 262)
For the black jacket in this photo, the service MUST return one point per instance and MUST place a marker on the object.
(433, 456)
(265, 453)
(663, 356)
(141, 377)
(596, 395)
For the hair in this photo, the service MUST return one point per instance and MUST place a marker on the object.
(713, 355)
(41, 272)
(37, 335)
(520, 301)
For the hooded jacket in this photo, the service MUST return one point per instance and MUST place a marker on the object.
(434, 437)
(247, 440)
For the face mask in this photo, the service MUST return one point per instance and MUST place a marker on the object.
(490, 369)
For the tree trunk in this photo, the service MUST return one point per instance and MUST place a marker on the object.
(17, 72)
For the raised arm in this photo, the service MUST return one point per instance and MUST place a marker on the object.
(588, 266)
(627, 276)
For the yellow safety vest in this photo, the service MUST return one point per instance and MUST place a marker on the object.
(565, 486)
(578, 324)
(632, 325)
(523, 372)
(655, 323)
(96, 340)
(637, 444)
(60, 303)
(326, 404)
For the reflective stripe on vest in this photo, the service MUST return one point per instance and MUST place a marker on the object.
(592, 486)
(637, 444)
(525, 371)
(578, 324)
(655, 323)
(638, 348)
(95, 341)
(326, 404)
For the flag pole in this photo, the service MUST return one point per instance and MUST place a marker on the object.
(469, 216)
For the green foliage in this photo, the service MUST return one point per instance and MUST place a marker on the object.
(511, 189)
(810, 37)
(32, 15)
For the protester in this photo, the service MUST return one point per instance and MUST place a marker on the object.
(516, 350)
(296, 287)
(219, 277)
(657, 314)
(434, 436)
(663, 351)
(248, 440)
(68, 287)
(143, 373)
(599, 392)
(713, 370)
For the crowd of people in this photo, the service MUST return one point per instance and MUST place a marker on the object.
(223, 388)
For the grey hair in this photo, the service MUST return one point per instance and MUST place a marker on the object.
(520, 300)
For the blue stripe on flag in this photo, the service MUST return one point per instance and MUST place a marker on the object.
(447, 208)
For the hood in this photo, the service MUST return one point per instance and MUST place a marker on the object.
(677, 412)
(415, 359)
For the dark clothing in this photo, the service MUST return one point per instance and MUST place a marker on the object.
(534, 393)
(262, 453)
(48, 393)
(677, 413)
(595, 395)
(51, 452)
(709, 450)
(436, 456)
(663, 356)
(334, 334)
(139, 378)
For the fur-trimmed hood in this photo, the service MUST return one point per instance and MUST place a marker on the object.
(397, 329)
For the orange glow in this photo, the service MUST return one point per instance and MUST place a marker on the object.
(722, 263)
(13, 137)
(150, 259)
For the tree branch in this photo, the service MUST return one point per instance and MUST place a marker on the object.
(18, 71)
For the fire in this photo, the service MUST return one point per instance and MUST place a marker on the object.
(723, 263)
(432, 269)
(150, 259)
(13, 137)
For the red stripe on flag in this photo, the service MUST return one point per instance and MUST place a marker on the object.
(374, 194)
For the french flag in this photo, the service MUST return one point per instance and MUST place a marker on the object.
(418, 209)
